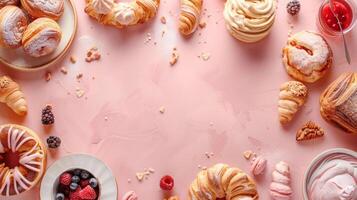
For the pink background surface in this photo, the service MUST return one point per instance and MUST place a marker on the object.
(225, 105)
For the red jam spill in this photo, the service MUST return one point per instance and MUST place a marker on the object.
(344, 14)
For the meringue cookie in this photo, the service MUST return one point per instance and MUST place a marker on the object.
(103, 6)
(125, 14)
(258, 165)
(280, 187)
(130, 196)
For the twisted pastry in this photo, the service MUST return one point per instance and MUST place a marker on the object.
(11, 94)
(280, 186)
(190, 16)
(291, 97)
(338, 103)
(121, 14)
(4, 3)
(222, 181)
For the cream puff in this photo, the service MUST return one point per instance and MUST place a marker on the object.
(4, 3)
(41, 37)
(307, 56)
(44, 8)
(13, 22)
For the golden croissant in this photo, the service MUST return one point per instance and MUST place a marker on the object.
(122, 14)
(11, 94)
(223, 182)
(291, 97)
(190, 16)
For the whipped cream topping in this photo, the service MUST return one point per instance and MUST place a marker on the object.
(335, 178)
(249, 21)
(124, 14)
(103, 6)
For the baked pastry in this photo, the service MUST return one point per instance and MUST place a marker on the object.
(122, 14)
(22, 159)
(190, 16)
(307, 56)
(338, 103)
(13, 22)
(309, 131)
(4, 3)
(11, 94)
(249, 21)
(280, 187)
(52, 9)
(292, 96)
(41, 37)
(223, 182)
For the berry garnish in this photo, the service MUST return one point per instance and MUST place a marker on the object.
(88, 193)
(53, 142)
(84, 183)
(73, 186)
(93, 182)
(167, 182)
(47, 116)
(59, 196)
(75, 179)
(65, 179)
(293, 7)
(77, 172)
(75, 195)
(84, 174)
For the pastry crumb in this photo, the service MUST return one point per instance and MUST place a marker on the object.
(309, 131)
(140, 176)
(79, 93)
(174, 57)
(202, 24)
(205, 56)
(105, 118)
(163, 20)
(247, 154)
(162, 109)
(48, 76)
(64, 70)
(129, 180)
(92, 55)
(79, 76)
(73, 59)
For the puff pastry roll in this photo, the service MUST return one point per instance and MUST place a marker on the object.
(190, 16)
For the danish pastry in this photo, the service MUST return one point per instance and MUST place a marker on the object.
(41, 37)
(223, 182)
(307, 56)
(13, 23)
(4, 3)
(11, 94)
(338, 103)
(249, 21)
(190, 16)
(39, 8)
(292, 96)
(122, 14)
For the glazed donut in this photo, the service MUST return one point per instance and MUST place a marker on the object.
(121, 14)
(13, 23)
(190, 16)
(307, 56)
(41, 37)
(223, 182)
(4, 3)
(338, 103)
(249, 21)
(22, 159)
(44, 8)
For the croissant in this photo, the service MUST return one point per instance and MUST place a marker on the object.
(291, 97)
(189, 16)
(280, 187)
(122, 14)
(223, 182)
(11, 94)
(338, 103)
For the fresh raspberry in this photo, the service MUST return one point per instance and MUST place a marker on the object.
(84, 183)
(88, 193)
(65, 179)
(75, 195)
(167, 182)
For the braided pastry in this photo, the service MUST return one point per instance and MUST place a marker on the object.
(338, 103)
(291, 97)
(222, 181)
(11, 94)
(122, 14)
(190, 16)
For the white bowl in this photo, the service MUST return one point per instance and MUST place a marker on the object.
(107, 183)
(316, 161)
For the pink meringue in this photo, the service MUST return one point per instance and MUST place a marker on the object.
(280, 187)
(131, 195)
(258, 165)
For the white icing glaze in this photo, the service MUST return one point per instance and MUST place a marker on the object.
(15, 140)
(124, 14)
(103, 6)
(13, 26)
(50, 6)
(43, 44)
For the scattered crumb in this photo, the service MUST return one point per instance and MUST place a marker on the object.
(92, 54)
(148, 38)
(163, 33)
(106, 118)
(151, 170)
(162, 109)
(202, 24)
(204, 168)
(140, 176)
(64, 70)
(73, 59)
(145, 174)
(163, 20)
(205, 56)
(129, 180)
(209, 154)
(309, 131)
(48, 76)
(79, 76)
(79, 93)
(199, 166)
(247, 154)
(174, 57)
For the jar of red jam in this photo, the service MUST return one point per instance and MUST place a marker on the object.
(345, 11)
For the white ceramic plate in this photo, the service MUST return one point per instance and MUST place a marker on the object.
(16, 58)
(317, 160)
(107, 183)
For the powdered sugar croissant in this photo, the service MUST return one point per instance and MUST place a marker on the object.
(291, 97)
(11, 94)
(122, 14)
(190, 16)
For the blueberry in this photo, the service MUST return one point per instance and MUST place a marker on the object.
(59, 196)
(73, 186)
(85, 175)
(77, 172)
(75, 179)
(93, 182)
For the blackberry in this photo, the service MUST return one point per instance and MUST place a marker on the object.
(47, 116)
(53, 142)
(85, 174)
(77, 172)
(75, 179)
(293, 7)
